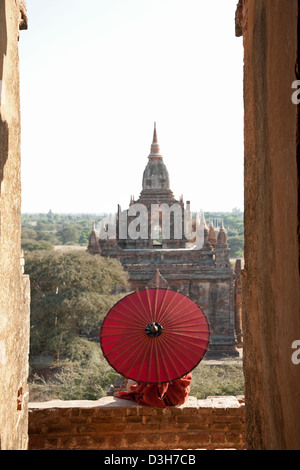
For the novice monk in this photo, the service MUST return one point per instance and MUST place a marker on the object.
(159, 395)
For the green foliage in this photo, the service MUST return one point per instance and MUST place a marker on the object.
(29, 233)
(33, 245)
(224, 379)
(87, 379)
(236, 245)
(234, 226)
(71, 292)
(233, 221)
(56, 229)
(68, 235)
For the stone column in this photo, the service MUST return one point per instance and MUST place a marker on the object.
(271, 319)
(14, 285)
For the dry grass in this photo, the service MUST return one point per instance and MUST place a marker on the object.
(224, 378)
(89, 381)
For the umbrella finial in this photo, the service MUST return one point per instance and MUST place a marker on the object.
(153, 329)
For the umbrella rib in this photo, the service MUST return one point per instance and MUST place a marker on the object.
(161, 305)
(137, 317)
(163, 360)
(149, 304)
(183, 334)
(203, 337)
(170, 314)
(125, 334)
(155, 305)
(167, 345)
(182, 353)
(173, 319)
(137, 309)
(147, 318)
(157, 362)
(162, 312)
(110, 324)
(118, 343)
(143, 360)
(167, 313)
(134, 312)
(177, 327)
(184, 321)
(124, 305)
(149, 363)
(136, 360)
(126, 359)
(120, 366)
(176, 330)
(123, 329)
(190, 343)
(198, 346)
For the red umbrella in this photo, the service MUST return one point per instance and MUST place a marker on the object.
(154, 336)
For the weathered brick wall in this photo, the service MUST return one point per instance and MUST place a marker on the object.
(114, 424)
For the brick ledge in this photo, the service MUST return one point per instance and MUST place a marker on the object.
(110, 401)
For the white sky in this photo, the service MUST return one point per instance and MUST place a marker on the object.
(96, 74)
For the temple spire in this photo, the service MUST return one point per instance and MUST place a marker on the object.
(154, 134)
(212, 234)
(93, 246)
(222, 237)
(155, 149)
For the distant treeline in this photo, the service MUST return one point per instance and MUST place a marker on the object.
(44, 231)
(234, 226)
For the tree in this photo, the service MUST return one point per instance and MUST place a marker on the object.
(71, 292)
(28, 233)
(32, 245)
(236, 245)
(87, 379)
(68, 234)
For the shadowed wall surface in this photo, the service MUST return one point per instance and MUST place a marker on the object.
(271, 320)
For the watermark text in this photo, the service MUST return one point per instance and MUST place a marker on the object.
(159, 222)
(296, 354)
(296, 94)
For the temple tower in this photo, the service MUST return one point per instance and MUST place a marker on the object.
(159, 201)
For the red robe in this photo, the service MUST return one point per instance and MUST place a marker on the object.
(160, 396)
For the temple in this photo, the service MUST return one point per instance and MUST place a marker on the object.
(160, 244)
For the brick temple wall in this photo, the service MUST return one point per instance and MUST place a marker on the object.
(114, 424)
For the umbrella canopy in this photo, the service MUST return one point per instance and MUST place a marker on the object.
(154, 336)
